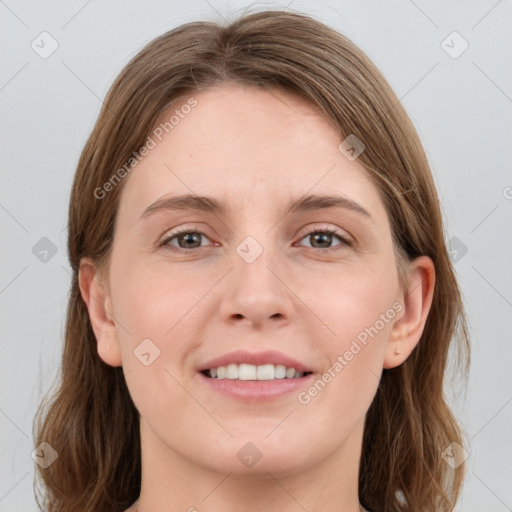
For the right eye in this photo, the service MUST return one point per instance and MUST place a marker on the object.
(185, 238)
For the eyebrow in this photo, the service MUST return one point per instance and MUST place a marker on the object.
(207, 204)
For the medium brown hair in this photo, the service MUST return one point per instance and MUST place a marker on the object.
(90, 419)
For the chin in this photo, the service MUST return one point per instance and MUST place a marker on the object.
(257, 454)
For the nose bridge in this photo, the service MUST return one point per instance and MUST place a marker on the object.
(256, 261)
(256, 249)
(255, 291)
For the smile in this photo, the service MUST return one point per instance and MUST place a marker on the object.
(244, 371)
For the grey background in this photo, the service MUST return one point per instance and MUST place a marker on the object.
(462, 108)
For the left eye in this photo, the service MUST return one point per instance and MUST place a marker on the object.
(323, 238)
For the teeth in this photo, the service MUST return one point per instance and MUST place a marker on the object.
(232, 371)
(280, 371)
(244, 371)
(265, 372)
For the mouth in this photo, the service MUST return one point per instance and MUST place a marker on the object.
(255, 377)
(251, 372)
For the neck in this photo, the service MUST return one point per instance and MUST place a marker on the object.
(171, 482)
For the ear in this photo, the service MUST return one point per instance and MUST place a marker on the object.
(97, 299)
(416, 300)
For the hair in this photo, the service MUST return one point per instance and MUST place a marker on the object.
(90, 418)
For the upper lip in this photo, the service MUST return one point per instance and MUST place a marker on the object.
(255, 358)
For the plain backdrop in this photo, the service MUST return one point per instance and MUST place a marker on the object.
(450, 63)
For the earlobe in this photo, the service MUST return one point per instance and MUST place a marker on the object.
(416, 300)
(97, 299)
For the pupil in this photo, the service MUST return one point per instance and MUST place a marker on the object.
(189, 238)
(324, 236)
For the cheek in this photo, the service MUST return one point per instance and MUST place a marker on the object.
(357, 309)
(342, 394)
(351, 297)
(151, 299)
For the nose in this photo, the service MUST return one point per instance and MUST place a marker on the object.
(256, 292)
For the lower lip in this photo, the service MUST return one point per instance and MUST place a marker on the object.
(257, 391)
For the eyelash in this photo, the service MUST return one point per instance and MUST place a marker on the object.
(344, 241)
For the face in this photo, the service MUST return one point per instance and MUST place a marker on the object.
(308, 284)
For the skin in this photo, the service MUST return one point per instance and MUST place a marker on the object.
(256, 150)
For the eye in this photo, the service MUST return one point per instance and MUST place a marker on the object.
(187, 240)
(322, 238)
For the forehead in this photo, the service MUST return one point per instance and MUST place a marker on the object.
(247, 145)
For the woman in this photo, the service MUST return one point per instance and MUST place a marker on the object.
(262, 301)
